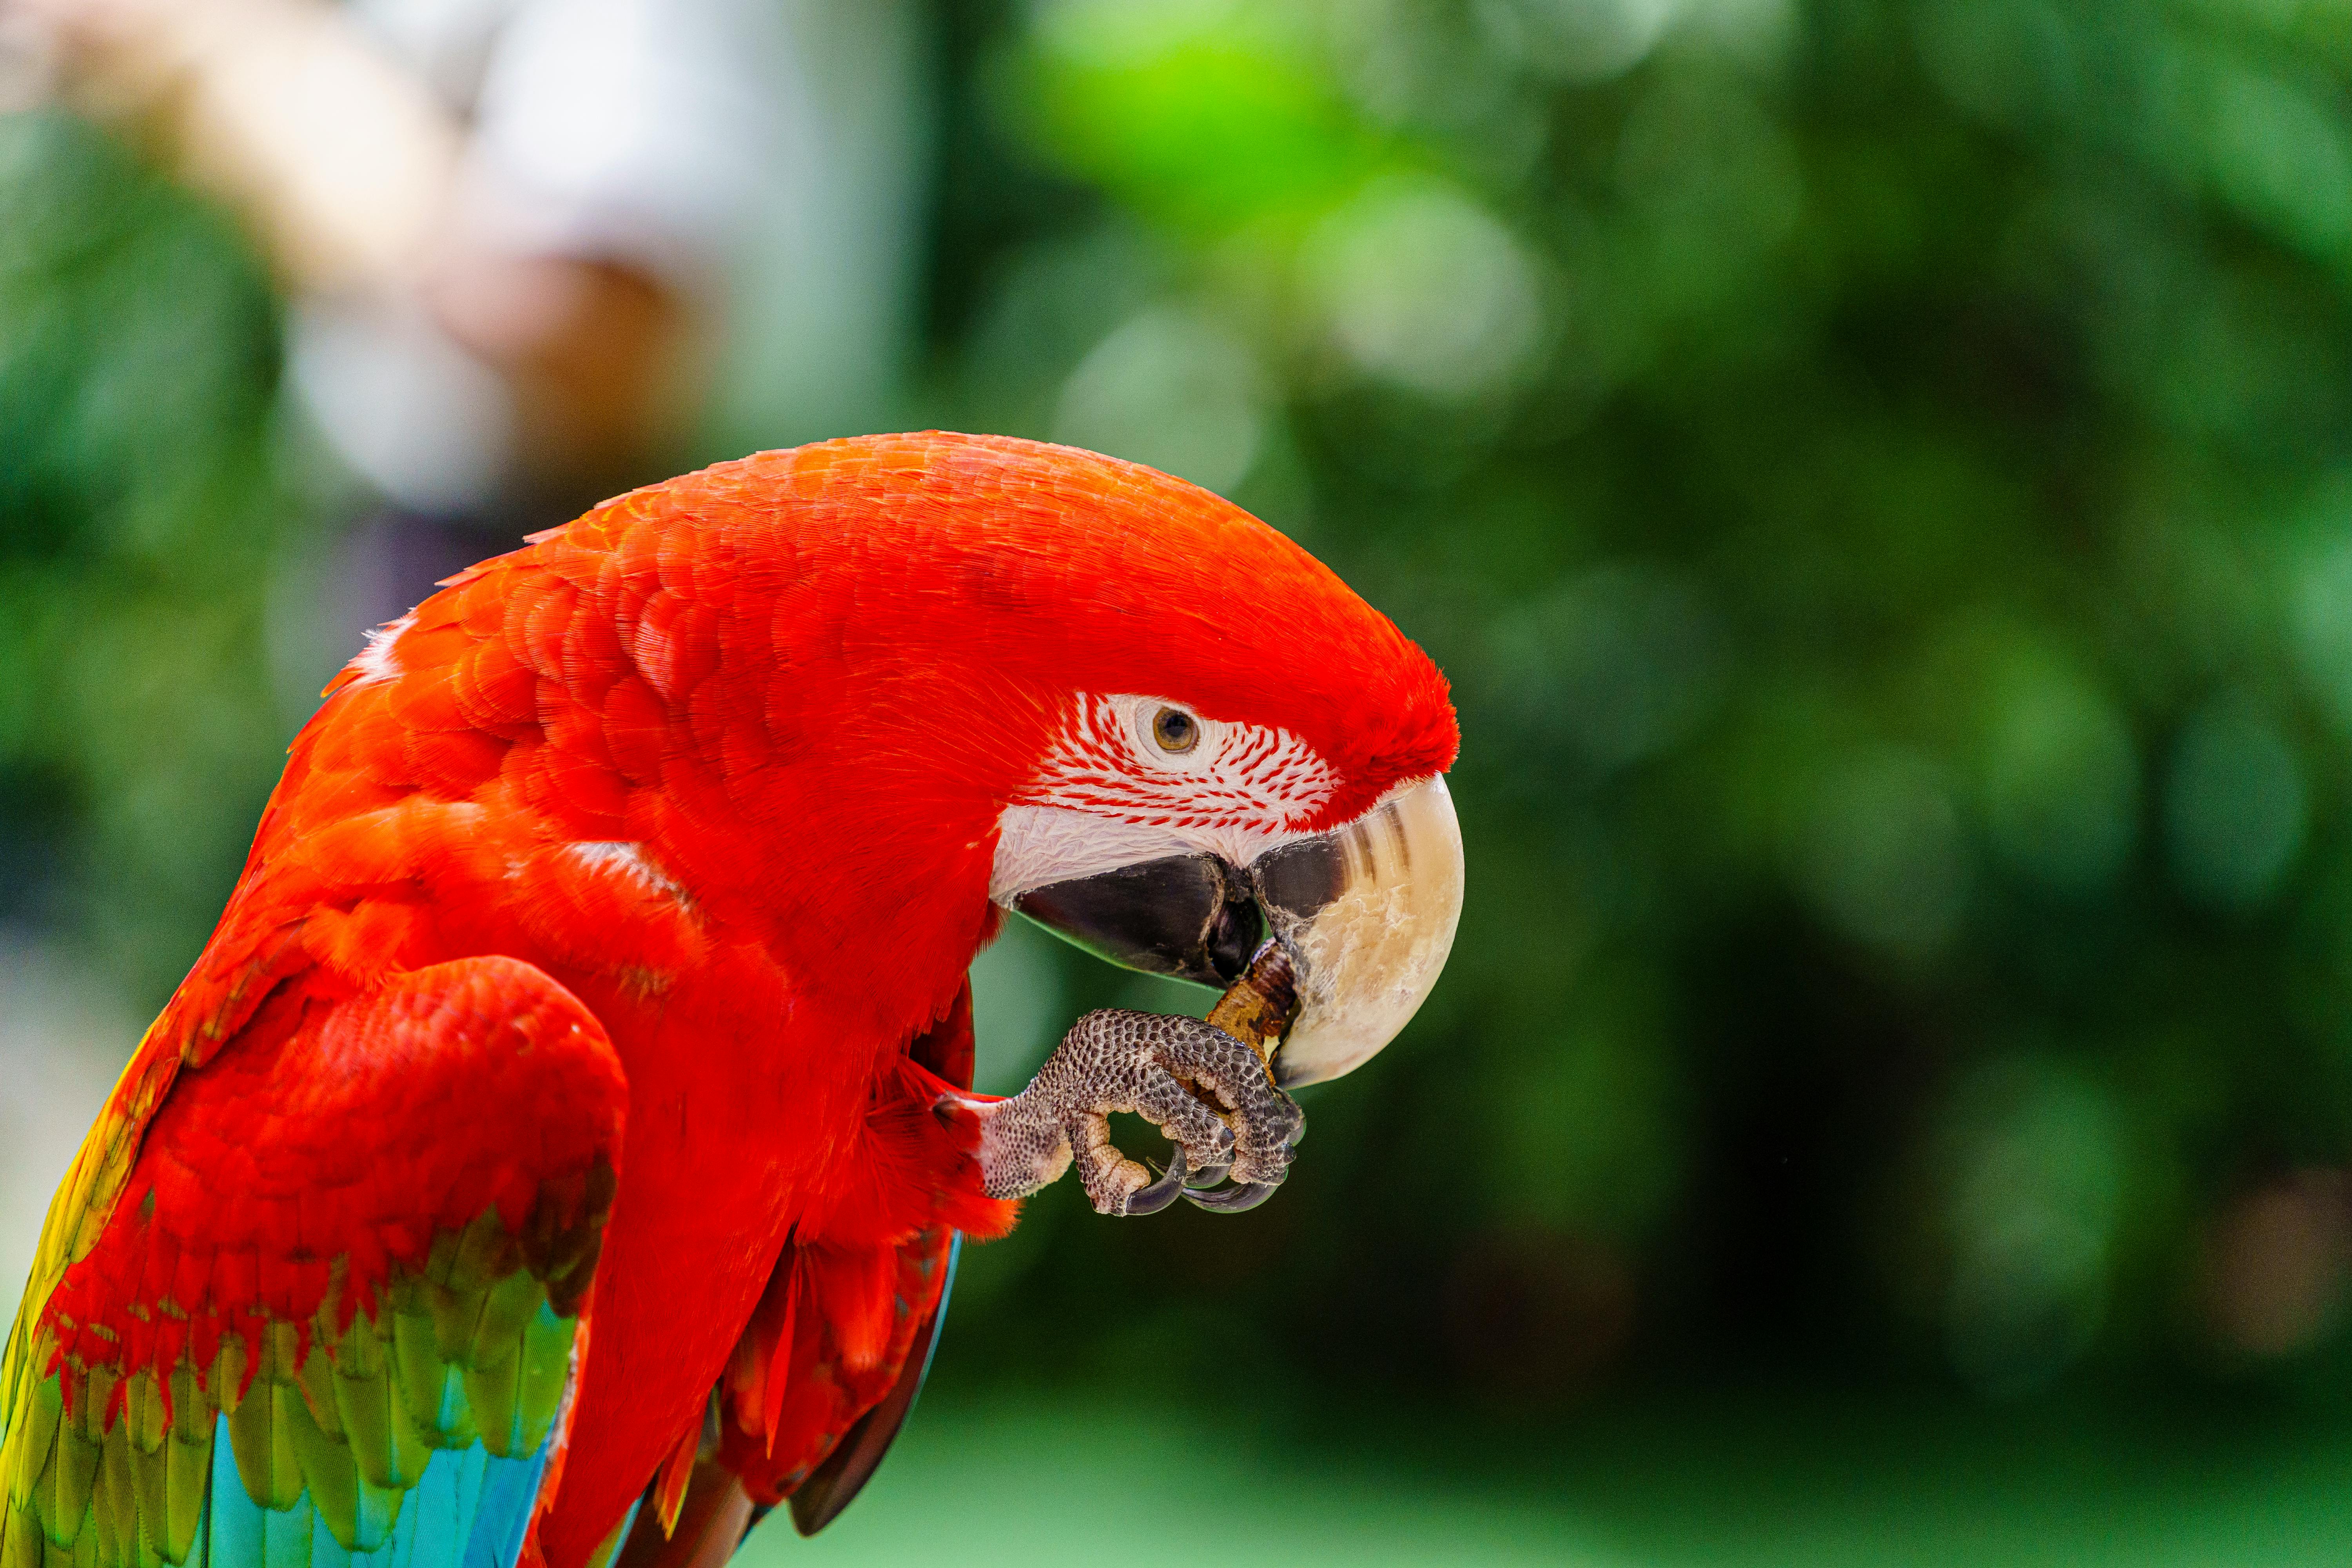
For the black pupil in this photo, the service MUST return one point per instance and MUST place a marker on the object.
(1175, 728)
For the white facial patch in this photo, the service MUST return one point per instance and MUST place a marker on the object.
(1109, 793)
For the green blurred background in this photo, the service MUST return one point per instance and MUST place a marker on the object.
(1879, 479)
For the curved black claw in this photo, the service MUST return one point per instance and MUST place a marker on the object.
(1230, 1199)
(1208, 1176)
(1161, 1192)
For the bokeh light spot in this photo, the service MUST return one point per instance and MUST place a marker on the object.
(1579, 40)
(1881, 851)
(2235, 806)
(2035, 1180)
(1618, 665)
(2061, 783)
(1172, 391)
(1423, 287)
(2277, 1262)
(2319, 612)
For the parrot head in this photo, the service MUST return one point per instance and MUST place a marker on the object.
(915, 681)
(1171, 732)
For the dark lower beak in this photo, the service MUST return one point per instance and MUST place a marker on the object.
(1194, 917)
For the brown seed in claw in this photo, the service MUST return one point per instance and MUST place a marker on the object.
(1258, 1008)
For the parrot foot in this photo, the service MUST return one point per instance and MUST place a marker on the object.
(1206, 1090)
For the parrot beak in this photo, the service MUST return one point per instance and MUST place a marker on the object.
(1366, 911)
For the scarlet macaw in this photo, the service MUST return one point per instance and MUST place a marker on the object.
(572, 1109)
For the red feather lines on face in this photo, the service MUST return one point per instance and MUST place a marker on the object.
(1257, 778)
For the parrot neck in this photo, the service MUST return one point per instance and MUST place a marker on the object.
(874, 901)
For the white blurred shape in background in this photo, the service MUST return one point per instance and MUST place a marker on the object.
(762, 160)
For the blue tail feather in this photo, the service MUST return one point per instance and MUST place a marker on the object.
(467, 1510)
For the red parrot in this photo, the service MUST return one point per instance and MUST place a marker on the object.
(557, 1153)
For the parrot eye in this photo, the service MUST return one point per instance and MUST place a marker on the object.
(1175, 731)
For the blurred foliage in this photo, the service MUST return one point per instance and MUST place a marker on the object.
(1879, 476)
(138, 525)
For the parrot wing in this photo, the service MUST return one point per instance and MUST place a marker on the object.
(834, 1422)
(835, 1484)
(829, 1366)
(312, 1292)
(923, 1271)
